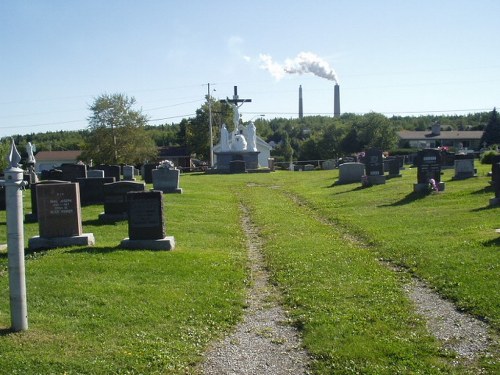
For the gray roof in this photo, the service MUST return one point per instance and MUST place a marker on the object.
(454, 134)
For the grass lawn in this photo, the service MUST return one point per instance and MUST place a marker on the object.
(104, 310)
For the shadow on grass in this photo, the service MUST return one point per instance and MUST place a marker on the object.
(5, 331)
(95, 250)
(492, 243)
(412, 197)
(485, 208)
(101, 223)
(359, 187)
(486, 189)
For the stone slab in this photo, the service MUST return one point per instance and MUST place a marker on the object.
(167, 243)
(37, 242)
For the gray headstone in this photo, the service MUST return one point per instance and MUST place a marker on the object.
(33, 216)
(95, 173)
(166, 180)
(128, 172)
(351, 172)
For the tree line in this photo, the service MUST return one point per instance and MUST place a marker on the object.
(120, 134)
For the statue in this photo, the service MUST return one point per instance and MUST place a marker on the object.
(224, 139)
(31, 158)
(239, 143)
(236, 114)
(251, 137)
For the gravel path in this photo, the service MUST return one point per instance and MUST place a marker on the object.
(264, 342)
(458, 331)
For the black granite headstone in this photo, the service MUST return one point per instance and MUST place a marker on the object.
(3, 203)
(148, 172)
(374, 162)
(428, 166)
(52, 174)
(92, 189)
(145, 215)
(115, 196)
(72, 172)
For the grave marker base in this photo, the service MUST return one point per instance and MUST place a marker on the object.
(37, 242)
(167, 243)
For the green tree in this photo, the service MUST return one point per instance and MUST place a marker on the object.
(117, 133)
(376, 131)
(196, 130)
(491, 135)
(5, 145)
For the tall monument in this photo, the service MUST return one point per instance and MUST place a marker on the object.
(240, 145)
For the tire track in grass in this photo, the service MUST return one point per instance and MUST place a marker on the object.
(459, 332)
(264, 342)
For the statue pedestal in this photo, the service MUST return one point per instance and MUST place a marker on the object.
(224, 158)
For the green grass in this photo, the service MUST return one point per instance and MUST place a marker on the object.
(106, 310)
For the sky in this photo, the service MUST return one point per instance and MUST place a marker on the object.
(410, 57)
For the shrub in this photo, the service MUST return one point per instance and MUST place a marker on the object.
(486, 158)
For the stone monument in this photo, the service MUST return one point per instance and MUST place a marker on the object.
(428, 163)
(240, 145)
(59, 217)
(374, 166)
(146, 222)
(166, 178)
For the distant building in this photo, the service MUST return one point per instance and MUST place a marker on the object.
(462, 139)
(46, 160)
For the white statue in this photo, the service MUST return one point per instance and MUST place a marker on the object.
(224, 139)
(251, 137)
(239, 143)
(30, 149)
(236, 114)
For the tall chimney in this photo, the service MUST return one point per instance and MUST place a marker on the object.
(336, 101)
(301, 110)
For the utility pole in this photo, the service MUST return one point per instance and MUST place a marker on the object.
(210, 128)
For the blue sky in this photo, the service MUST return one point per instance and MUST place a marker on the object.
(393, 57)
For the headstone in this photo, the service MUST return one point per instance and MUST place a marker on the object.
(92, 189)
(374, 166)
(95, 173)
(72, 172)
(146, 222)
(111, 171)
(115, 199)
(391, 166)
(128, 173)
(237, 166)
(495, 178)
(350, 172)
(464, 167)
(52, 174)
(328, 165)
(59, 217)
(2, 198)
(271, 165)
(428, 163)
(308, 167)
(147, 172)
(33, 216)
(166, 180)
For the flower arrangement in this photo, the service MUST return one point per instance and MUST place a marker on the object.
(167, 164)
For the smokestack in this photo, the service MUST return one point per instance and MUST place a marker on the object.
(336, 101)
(301, 110)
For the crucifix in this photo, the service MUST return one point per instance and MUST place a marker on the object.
(234, 105)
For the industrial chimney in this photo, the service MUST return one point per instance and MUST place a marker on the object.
(301, 110)
(336, 101)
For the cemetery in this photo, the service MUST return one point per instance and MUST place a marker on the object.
(341, 256)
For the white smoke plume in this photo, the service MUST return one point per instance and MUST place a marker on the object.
(305, 62)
